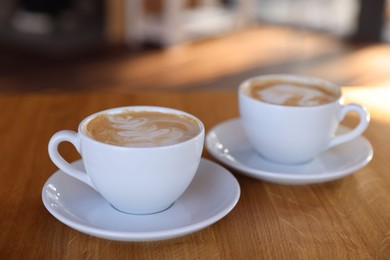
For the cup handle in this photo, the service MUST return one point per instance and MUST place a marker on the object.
(358, 130)
(59, 161)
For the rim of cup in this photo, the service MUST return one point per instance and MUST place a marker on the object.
(167, 110)
(291, 78)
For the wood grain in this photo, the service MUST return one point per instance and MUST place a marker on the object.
(343, 219)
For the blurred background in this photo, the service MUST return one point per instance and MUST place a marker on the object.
(122, 45)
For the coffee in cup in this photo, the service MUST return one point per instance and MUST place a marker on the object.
(140, 159)
(292, 93)
(142, 128)
(291, 119)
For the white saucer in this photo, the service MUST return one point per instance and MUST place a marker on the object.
(228, 144)
(212, 195)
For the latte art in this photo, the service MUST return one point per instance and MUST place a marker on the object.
(287, 94)
(142, 129)
(292, 93)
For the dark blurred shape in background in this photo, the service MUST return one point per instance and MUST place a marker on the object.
(51, 27)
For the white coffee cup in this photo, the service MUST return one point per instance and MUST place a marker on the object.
(294, 134)
(136, 180)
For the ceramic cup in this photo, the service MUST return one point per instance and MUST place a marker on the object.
(136, 180)
(293, 134)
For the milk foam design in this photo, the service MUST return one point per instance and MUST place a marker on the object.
(282, 93)
(145, 132)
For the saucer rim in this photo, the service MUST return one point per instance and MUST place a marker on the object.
(286, 177)
(147, 235)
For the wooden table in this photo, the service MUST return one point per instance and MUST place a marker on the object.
(347, 218)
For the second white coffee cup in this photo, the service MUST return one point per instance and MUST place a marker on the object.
(291, 133)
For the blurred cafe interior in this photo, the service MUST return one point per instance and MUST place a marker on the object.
(69, 45)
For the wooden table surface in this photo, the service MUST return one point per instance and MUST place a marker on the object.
(346, 218)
